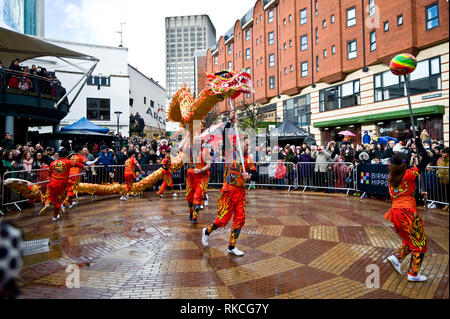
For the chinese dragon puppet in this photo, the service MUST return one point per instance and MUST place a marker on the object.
(185, 109)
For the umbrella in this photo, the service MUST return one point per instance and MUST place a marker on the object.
(386, 139)
(346, 133)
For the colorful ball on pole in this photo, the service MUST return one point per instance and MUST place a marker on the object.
(403, 64)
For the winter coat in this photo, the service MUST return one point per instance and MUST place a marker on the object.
(321, 158)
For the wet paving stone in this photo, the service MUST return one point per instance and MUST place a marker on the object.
(297, 245)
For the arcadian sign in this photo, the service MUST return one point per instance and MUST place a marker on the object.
(372, 179)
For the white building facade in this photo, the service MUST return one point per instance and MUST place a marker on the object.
(106, 92)
(148, 98)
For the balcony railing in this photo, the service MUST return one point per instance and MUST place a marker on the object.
(14, 83)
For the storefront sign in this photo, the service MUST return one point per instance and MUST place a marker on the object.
(372, 179)
(431, 96)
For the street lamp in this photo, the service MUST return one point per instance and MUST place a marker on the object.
(118, 113)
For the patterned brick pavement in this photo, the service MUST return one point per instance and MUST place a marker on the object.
(297, 245)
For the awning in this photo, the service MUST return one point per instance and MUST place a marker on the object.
(287, 129)
(84, 125)
(420, 111)
(17, 45)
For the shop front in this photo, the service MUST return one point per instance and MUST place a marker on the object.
(395, 124)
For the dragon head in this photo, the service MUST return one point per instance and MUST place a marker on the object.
(229, 83)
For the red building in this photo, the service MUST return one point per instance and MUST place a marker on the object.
(292, 45)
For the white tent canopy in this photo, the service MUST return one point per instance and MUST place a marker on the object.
(16, 45)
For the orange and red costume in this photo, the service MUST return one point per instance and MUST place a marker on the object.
(129, 174)
(74, 176)
(59, 173)
(231, 200)
(196, 185)
(167, 176)
(407, 221)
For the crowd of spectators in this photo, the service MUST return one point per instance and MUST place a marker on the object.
(30, 157)
(329, 165)
(22, 77)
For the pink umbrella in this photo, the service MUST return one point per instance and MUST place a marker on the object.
(346, 133)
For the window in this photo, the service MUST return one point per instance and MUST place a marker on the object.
(230, 66)
(290, 18)
(333, 49)
(291, 68)
(249, 71)
(432, 16)
(285, 46)
(256, 41)
(316, 7)
(332, 18)
(99, 80)
(351, 17)
(285, 71)
(325, 54)
(290, 43)
(271, 83)
(262, 81)
(304, 69)
(98, 109)
(271, 38)
(215, 60)
(298, 110)
(271, 60)
(351, 50)
(145, 100)
(257, 83)
(247, 34)
(339, 96)
(247, 54)
(284, 21)
(261, 60)
(324, 24)
(373, 41)
(304, 42)
(229, 49)
(270, 16)
(400, 20)
(317, 35)
(426, 78)
(303, 16)
(386, 26)
(317, 63)
(371, 7)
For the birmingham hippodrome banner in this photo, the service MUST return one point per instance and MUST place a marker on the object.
(372, 179)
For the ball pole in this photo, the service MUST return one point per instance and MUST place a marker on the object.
(408, 95)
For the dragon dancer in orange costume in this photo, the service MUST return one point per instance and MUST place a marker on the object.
(130, 175)
(404, 215)
(197, 177)
(59, 174)
(167, 177)
(74, 175)
(231, 200)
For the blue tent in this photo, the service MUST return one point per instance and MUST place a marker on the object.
(84, 125)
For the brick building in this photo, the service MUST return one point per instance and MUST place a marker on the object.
(325, 64)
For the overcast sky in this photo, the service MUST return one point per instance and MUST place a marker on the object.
(96, 21)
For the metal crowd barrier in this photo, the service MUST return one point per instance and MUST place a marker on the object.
(331, 176)
(326, 175)
(435, 183)
(268, 174)
(97, 175)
